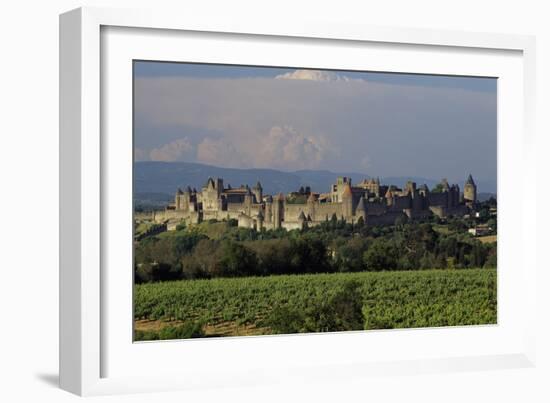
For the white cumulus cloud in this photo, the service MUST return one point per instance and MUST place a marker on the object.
(314, 75)
(177, 150)
(218, 152)
(284, 147)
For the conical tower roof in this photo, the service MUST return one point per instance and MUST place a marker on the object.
(361, 204)
(347, 191)
(470, 180)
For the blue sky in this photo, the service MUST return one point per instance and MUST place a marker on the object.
(379, 124)
(197, 70)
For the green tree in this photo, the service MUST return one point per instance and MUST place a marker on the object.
(381, 255)
(237, 260)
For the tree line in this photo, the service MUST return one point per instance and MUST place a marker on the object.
(333, 246)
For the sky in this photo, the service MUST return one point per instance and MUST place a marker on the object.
(373, 123)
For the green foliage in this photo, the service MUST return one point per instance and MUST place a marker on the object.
(342, 311)
(349, 253)
(327, 302)
(381, 255)
(221, 249)
(232, 222)
(237, 260)
(186, 331)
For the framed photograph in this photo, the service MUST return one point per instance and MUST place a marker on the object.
(247, 204)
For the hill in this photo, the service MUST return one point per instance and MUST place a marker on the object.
(154, 179)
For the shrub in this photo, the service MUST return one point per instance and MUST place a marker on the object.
(381, 255)
(342, 311)
(189, 330)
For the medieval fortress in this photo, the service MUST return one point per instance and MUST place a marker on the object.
(367, 201)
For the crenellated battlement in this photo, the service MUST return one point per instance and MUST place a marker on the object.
(369, 201)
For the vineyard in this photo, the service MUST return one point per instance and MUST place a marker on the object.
(314, 302)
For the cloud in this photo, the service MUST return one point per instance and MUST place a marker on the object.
(218, 152)
(284, 147)
(298, 121)
(314, 75)
(177, 150)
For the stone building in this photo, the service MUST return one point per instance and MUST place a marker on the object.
(370, 201)
(470, 191)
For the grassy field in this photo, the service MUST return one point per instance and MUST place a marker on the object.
(487, 239)
(259, 305)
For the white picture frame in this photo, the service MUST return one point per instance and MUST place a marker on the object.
(95, 45)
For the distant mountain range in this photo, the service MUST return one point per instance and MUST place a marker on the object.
(156, 181)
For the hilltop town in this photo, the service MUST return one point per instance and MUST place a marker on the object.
(368, 201)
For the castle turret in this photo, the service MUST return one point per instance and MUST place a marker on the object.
(258, 192)
(210, 195)
(454, 196)
(248, 198)
(361, 209)
(389, 197)
(219, 186)
(445, 185)
(470, 191)
(347, 201)
(311, 201)
(410, 187)
(183, 199)
(178, 199)
(423, 190)
(278, 210)
(338, 189)
(268, 217)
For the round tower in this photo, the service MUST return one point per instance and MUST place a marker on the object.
(361, 210)
(347, 202)
(470, 190)
(178, 200)
(389, 197)
(311, 201)
(258, 192)
(268, 217)
(278, 210)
